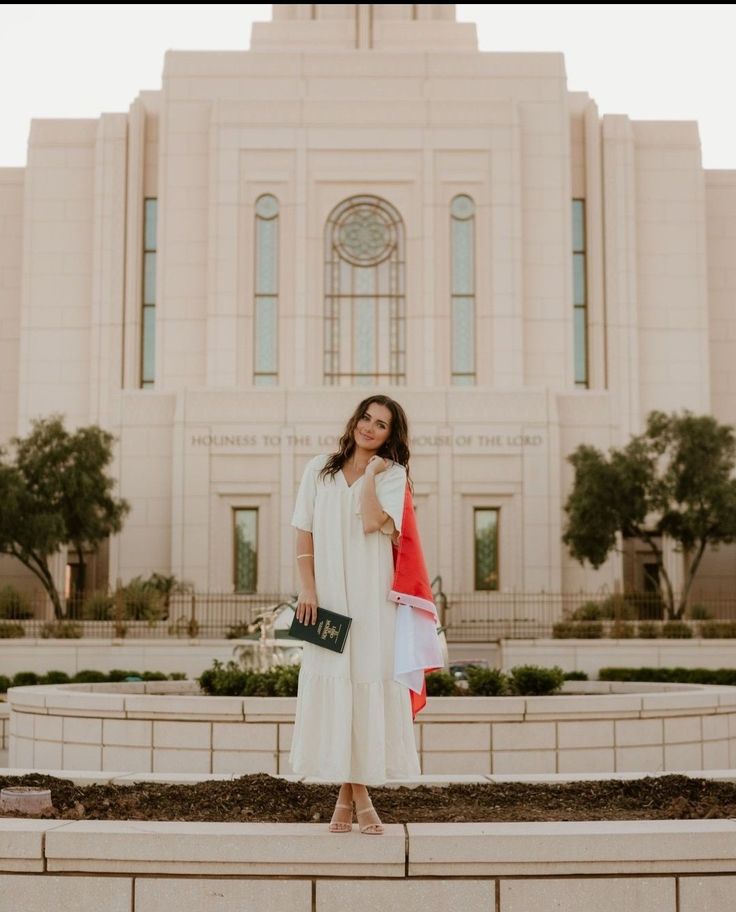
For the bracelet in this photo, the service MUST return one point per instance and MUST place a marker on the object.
(304, 555)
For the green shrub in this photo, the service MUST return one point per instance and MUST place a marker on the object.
(99, 606)
(119, 674)
(615, 674)
(10, 631)
(211, 679)
(142, 603)
(613, 607)
(627, 674)
(89, 676)
(55, 677)
(617, 608)
(440, 684)
(583, 630)
(712, 630)
(695, 675)
(676, 630)
(241, 630)
(61, 630)
(14, 605)
(232, 680)
(154, 676)
(588, 611)
(25, 679)
(260, 684)
(4, 683)
(648, 630)
(485, 682)
(576, 675)
(592, 630)
(720, 676)
(699, 612)
(287, 680)
(533, 680)
(621, 630)
(177, 676)
(647, 606)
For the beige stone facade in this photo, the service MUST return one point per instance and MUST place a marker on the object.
(332, 105)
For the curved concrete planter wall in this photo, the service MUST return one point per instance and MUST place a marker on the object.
(163, 726)
(648, 866)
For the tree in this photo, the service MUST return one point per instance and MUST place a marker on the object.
(56, 492)
(673, 480)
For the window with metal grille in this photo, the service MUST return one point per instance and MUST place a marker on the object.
(365, 296)
(245, 541)
(462, 226)
(486, 547)
(266, 292)
(148, 310)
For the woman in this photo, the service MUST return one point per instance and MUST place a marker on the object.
(353, 721)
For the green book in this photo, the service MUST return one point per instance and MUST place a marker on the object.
(330, 631)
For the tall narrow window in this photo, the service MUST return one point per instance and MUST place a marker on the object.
(245, 538)
(462, 212)
(148, 315)
(486, 547)
(265, 329)
(581, 293)
(365, 300)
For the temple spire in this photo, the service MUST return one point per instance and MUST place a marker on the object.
(364, 26)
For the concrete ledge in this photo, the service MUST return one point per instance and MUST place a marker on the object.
(451, 851)
(595, 847)
(222, 848)
(22, 843)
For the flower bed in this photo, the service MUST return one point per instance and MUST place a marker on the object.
(652, 866)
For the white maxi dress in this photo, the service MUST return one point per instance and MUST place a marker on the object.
(353, 722)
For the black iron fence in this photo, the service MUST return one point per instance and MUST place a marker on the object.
(467, 616)
(178, 615)
(483, 616)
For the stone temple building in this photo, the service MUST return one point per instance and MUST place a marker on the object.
(363, 202)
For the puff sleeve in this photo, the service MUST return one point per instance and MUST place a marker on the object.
(304, 508)
(390, 491)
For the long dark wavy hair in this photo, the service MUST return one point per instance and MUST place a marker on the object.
(395, 447)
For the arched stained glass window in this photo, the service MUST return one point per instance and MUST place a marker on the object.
(462, 218)
(266, 294)
(365, 297)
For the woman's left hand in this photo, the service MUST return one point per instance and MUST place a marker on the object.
(376, 465)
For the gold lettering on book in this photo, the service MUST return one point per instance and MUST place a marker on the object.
(330, 631)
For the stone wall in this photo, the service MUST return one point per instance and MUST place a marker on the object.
(163, 726)
(649, 866)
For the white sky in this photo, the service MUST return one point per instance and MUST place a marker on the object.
(667, 62)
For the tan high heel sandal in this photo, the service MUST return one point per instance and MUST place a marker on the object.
(342, 826)
(370, 829)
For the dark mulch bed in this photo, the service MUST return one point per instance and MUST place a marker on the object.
(261, 797)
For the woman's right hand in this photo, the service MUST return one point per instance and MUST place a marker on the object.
(306, 609)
